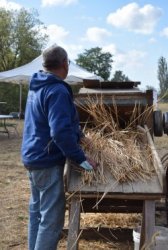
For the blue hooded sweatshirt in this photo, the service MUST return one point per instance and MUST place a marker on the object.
(51, 129)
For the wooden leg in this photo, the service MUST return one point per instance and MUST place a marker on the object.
(74, 224)
(166, 199)
(148, 222)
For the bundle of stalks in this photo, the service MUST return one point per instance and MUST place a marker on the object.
(117, 151)
(123, 159)
(110, 220)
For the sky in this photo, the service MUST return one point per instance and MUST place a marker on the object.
(134, 32)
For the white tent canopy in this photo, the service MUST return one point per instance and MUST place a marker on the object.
(24, 73)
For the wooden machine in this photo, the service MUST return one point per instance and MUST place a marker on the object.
(133, 197)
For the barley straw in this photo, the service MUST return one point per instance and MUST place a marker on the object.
(120, 152)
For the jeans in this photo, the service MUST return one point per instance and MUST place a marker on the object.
(46, 208)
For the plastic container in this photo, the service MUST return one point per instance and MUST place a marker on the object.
(161, 241)
(136, 237)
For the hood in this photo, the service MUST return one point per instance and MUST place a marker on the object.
(42, 78)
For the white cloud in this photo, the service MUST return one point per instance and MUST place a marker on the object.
(9, 5)
(133, 18)
(165, 32)
(131, 63)
(111, 48)
(95, 34)
(132, 59)
(128, 61)
(58, 2)
(74, 50)
(56, 34)
(152, 40)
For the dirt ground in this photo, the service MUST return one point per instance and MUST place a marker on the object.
(14, 196)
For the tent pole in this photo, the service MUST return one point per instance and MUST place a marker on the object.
(20, 100)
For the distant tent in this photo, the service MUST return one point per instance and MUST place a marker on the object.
(24, 73)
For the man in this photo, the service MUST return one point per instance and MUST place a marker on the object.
(51, 134)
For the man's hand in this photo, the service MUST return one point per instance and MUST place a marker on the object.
(86, 165)
(92, 163)
(89, 164)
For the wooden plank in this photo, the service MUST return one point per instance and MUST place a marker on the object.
(148, 186)
(156, 160)
(130, 196)
(151, 186)
(148, 224)
(75, 184)
(112, 186)
(74, 224)
(127, 187)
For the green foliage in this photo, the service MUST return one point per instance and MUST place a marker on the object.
(9, 93)
(95, 61)
(148, 87)
(163, 75)
(120, 77)
(75, 88)
(20, 38)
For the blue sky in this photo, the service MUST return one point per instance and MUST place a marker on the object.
(134, 32)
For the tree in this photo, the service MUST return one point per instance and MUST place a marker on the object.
(20, 38)
(163, 75)
(120, 77)
(95, 61)
(10, 94)
(148, 87)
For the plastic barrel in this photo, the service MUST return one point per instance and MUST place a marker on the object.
(161, 241)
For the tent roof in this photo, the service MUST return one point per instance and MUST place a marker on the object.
(24, 73)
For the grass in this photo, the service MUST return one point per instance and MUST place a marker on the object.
(14, 194)
(14, 198)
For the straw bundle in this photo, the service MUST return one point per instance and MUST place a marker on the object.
(120, 152)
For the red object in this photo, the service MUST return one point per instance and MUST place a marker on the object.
(92, 163)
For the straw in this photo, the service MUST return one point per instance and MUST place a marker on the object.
(120, 152)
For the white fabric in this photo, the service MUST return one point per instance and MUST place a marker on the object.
(23, 73)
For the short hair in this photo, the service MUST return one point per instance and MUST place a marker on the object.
(53, 57)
